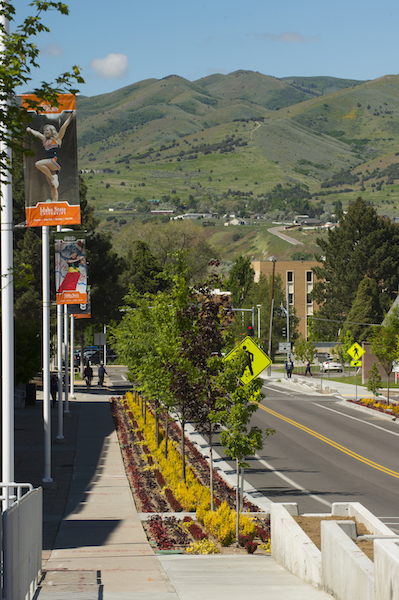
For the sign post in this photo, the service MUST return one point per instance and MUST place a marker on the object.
(356, 352)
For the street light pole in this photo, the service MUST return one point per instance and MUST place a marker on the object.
(271, 312)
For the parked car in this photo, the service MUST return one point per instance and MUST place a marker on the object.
(331, 365)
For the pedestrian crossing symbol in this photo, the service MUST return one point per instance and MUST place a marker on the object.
(356, 351)
(258, 360)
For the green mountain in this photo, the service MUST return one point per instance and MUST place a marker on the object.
(243, 141)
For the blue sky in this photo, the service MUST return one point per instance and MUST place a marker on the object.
(119, 42)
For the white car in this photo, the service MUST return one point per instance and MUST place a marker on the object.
(331, 365)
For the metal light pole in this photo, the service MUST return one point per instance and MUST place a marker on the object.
(271, 312)
(46, 353)
(258, 306)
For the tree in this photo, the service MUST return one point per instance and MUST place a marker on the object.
(236, 404)
(363, 245)
(18, 57)
(305, 350)
(384, 343)
(142, 269)
(240, 281)
(374, 380)
(365, 309)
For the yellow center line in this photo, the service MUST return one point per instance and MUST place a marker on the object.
(362, 459)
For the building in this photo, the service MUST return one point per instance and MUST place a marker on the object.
(298, 277)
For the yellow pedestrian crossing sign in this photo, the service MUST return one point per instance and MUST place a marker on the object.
(356, 351)
(258, 360)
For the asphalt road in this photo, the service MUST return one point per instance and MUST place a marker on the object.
(325, 451)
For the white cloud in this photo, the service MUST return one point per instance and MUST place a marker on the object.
(287, 37)
(113, 66)
(53, 50)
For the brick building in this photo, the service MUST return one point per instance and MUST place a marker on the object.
(298, 277)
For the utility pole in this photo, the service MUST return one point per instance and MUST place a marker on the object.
(271, 312)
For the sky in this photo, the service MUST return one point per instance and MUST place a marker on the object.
(119, 42)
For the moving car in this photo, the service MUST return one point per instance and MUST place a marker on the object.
(331, 365)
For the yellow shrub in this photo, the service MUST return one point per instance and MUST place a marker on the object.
(203, 547)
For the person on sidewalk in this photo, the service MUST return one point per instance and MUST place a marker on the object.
(54, 389)
(289, 367)
(101, 373)
(88, 374)
(307, 370)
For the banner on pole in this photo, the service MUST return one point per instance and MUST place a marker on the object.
(70, 267)
(51, 174)
(81, 311)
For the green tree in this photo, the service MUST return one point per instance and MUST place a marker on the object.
(384, 343)
(365, 309)
(304, 350)
(142, 269)
(240, 281)
(19, 55)
(374, 381)
(236, 404)
(363, 245)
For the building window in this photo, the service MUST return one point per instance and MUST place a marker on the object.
(309, 276)
(308, 299)
(290, 298)
(290, 276)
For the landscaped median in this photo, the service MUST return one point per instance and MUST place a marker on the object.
(157, 487)
(389, 409)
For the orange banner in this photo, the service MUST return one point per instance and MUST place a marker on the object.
(51, 213)
(51, 172)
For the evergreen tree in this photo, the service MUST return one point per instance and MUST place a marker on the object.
(363, 245)
(240, 281)
(365, 309)
(143, 270)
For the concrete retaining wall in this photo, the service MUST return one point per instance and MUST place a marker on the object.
(291, 547)
(347, 573)
(386, 569)
(341, 568)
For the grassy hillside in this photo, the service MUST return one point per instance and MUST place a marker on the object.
(243, 142)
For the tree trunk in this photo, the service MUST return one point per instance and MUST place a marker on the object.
(183, 451)
(166, 434)
(211, 468)
(238, 505)
(388, 378)
(157, 427)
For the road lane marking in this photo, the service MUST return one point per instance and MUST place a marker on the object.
(291, 482)
(335, 445)
(357, 419)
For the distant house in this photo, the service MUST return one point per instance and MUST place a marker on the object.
(236, 221)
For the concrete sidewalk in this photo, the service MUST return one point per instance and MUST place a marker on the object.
(96, 548)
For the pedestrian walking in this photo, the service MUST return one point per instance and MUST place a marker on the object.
(88, 374)
(54, 389)
(307, 370)
(289, 367)
(101, 373)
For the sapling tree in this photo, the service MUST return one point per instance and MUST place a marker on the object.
(374, 380)
(236, 404)
(385, 343)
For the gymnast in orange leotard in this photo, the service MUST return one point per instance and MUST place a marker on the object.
(51, 165)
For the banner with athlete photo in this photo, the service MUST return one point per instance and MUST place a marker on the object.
(51, 173)
(70, 268)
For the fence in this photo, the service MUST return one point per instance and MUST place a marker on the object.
(21, 542)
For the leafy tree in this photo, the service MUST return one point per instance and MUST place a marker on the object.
(18, 57)
(374, 380)
(341, 350)
(236, 404)
(365, 309)
(363, 245)
(240, 281)
(385, 343)
(142, 269)
(305, 350)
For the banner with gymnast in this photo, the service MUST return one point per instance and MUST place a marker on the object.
(70, 268)
(51, 169)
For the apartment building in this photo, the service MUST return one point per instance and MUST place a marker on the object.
(298, 277)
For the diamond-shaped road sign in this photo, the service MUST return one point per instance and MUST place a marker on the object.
(356, 351)
(258, 360)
